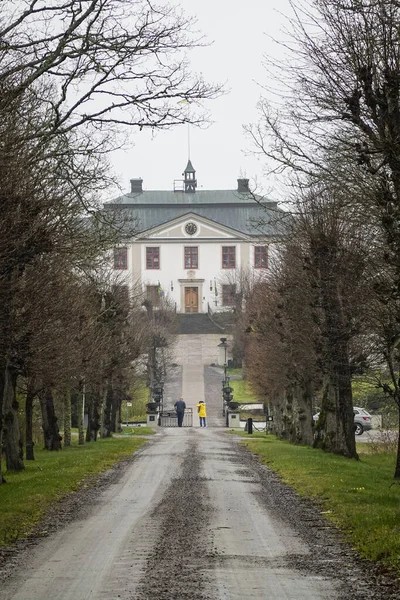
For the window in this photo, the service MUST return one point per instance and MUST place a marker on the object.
(152, 258)
(120, 258)
(228, 295)
(228, 257)
(260, 257)
(153, 295)
(191, 257)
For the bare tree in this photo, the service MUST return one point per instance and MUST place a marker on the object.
(344, 94)
(111, 61)
(321, 288)
(237, 287)
(70, 75)
(122, 324)
(281, 356)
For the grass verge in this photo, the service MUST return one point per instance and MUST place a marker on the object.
(138, 431)
(357, 496)
(242, 391)
(27, 495)
(257, 419)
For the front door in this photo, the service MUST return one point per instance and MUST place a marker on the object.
(191, 299)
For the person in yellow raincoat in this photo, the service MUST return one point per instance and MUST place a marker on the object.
(201, 409)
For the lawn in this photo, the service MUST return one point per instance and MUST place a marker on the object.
(360, 497)
(27, 495)
(140, 396)
(242, 391)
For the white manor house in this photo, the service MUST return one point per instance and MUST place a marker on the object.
(189, 245)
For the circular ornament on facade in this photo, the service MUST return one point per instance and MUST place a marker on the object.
(190, 228)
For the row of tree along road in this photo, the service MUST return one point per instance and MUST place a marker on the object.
(330, 306)
(74, 77)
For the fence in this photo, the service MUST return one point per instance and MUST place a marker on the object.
(169, 418)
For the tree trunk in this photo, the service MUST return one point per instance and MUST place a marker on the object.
(397, 469)
(81, 414)
(303, 414)
(2, 374)
(340, 438)
(118, 426)
(334, 434)
(287, 415)
(12, 438)
(116, 407)
(107, 407)
(52, 437)
(335, 428)
(239, 342)
(30, 395)
(278, 425)
(67, 418)
(94, 410)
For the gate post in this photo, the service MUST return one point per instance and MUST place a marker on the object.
(233, 419)
(151, 414)
(152, 420)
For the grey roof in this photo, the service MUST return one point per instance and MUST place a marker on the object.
(231, 208)
(179, 197)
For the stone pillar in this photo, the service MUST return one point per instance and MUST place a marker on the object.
(233, 419)
(152, 420)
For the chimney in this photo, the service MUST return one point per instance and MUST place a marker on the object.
(243, 186)
(136, 186)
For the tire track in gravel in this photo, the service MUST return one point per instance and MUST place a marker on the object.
(179, 566)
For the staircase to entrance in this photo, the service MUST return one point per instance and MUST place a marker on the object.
(196, 323)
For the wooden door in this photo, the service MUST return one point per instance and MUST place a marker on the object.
(191, 299)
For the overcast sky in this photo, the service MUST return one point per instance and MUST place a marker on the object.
(240, 32)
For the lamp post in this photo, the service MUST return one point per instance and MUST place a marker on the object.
(226, 389)
(158, 398)
(224, 345)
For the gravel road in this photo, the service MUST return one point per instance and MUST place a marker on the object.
(192, 515)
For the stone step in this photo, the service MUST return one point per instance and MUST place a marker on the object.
(195, 323)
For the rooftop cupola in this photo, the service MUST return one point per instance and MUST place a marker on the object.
(190, 178)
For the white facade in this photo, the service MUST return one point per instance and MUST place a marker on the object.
(206, 278)
(194, 248)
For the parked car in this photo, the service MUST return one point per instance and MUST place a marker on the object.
(362, 420)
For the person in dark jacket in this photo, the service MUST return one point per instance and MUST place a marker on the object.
(180, 410)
